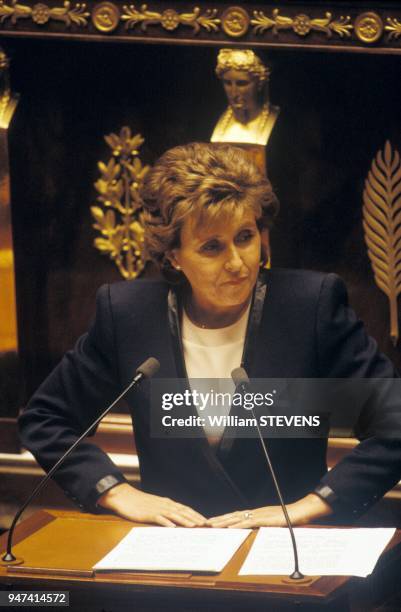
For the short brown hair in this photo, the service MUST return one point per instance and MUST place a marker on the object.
(205, 180)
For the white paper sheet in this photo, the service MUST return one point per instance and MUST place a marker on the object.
(321, 552)
(174, 549)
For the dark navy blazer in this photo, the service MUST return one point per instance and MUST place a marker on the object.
(306, 330)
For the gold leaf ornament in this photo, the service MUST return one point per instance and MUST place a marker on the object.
(170, 19)
(382, 227)
(393, 27)
(119, 221)
(301, 24)
(41, 13)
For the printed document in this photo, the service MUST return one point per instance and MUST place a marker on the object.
(174, 549)
(321, 552)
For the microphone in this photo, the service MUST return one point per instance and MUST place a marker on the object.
(146, 370)
(242, 382)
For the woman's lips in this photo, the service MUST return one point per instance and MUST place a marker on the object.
(236, 281)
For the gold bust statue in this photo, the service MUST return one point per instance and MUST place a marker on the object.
(250, 117)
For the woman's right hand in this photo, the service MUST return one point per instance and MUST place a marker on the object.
(135, 505)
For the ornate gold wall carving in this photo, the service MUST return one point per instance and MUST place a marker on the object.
(106, 17)
(368, 27)
(393, 27)
(42, 13)
(382, 225)
(170, 19)
(262, 23)
(8, 316)
(235, 21)
(120, 223)
(301, 24)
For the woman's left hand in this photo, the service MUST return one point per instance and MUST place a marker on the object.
(301, 512)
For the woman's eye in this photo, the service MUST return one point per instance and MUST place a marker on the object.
(211, 247)
(244, 236)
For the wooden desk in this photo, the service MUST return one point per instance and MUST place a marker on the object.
(60, 548)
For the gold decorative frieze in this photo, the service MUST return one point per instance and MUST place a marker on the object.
(301, 24)
(106, 17)
(382, 226)
(235, 21)
(42, 13)
(170, 19)
(224, 22)
(120, 220)
(368, 27)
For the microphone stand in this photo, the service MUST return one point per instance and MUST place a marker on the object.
(296, 574)
(149, 367)
(239, 373)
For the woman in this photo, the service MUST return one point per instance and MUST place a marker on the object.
(206, 206)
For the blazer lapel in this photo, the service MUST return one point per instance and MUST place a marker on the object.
(249, 355)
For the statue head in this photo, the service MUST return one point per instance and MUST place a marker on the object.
(244, 77)
(242, 59)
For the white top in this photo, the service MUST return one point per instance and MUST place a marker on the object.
(213, 354)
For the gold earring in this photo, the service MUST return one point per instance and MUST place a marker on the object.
(268, 264)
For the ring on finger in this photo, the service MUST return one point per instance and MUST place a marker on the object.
(247, 515)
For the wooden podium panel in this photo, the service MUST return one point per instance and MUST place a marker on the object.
(59, 550)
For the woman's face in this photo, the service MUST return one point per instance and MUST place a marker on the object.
(220, 262)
